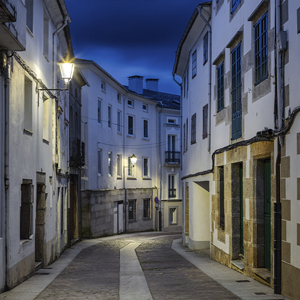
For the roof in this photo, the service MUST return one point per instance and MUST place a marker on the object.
(182, 51)
(166, 100)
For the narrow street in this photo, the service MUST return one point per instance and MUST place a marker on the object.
(137, 266)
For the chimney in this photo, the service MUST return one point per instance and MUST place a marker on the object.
(135, 84)
(152, 84)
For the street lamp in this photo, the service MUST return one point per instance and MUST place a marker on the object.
(133, 159)
(67, 70)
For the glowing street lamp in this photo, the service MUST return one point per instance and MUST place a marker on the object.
(67, 70)
(133, 159)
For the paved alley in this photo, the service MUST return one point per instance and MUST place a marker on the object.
(138, 266)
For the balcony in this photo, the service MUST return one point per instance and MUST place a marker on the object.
(172, 157)
(12, 25)
(77, 153)
(172, 193)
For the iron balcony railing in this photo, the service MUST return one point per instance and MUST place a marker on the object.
(172, 193)
(172, 157)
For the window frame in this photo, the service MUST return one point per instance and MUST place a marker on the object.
(103, 86)
(99, 110)
(194, 64)
(220, 87)
(146, 107)
(119, 121)
(261, 47)
(119, 98)
(29, 15)
(222, 198)
(46, 35)
(205, 48)
(173, 217)
(193, 128)
(109, 115)
(119, 165)
(172, 186)
(234, 5)
(109, 164)
(28, 104)
(146, 209)
(205, 122)
(146, 174)
(146, 129)
(132, 210)
(130, 129)
(131, 104)
(99, 161)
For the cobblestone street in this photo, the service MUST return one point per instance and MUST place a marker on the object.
(98, 272)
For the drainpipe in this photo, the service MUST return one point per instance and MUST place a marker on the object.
(277, 204)
(6, 159)
(199, 7)
(160, 166)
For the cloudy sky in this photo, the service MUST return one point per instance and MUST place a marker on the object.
(131, 37)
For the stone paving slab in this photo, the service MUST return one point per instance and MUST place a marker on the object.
(170, 276)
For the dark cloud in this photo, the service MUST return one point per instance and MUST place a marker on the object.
(128, 35)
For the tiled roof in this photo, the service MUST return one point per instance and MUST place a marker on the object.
(168, 100)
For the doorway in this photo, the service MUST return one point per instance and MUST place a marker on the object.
(118, 217)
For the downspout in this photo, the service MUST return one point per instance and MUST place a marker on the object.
(6, 159)
(280, 140)
(160, 166)
(209, 80)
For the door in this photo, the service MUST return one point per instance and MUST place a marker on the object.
(171, 148)
(241, 211)
(118, 217)
(267, 213)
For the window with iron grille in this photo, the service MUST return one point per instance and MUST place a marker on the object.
(221, 188)
(172, 189)
(220, 72)
(193, 129)
(236, 92)
(205, 121)
(234, 5)
(146, 209)
(261, 49)
(205, 48)
(194, 64)
(131, 210)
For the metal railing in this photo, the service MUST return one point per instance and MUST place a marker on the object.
(172, 157)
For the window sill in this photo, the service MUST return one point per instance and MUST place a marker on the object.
(45, 141)
(146, 219)
(29, 31)
(145, 139)
(99, 174)
(46, 57)
(103, 91)
(147, 178)
(131, 136)
(28, 132)
(119, 177)
(131, 178)
(260, 81)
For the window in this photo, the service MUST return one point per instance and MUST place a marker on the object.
(119, 97)
(131, 210)
(205, 48)
(145, 133)
(46, 35)
(205, 121)
(187, 82)
(172, 189)
(119, 165)
(145, 107)
(261, 49)
(130, 167)
(193, 129)
(103, 86)
(173, 215)
(194, 64)
(28, 104)
(99, 111)
(26, 216)
(130, 103)
(184, 143)
(221, 188)
(109, 163)
(220, 87)
(130, 125)
(46, 119)
(172, 121)
(184, 86)
(236, 92)
(109, 116)
(29, 14)
(146, 209)
(119, 120)
(146, 167)
(187, 134)
(62, 205)
(99, 161)
(234, 5)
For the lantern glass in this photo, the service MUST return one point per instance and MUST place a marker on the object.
(133, 159)
(66, 70)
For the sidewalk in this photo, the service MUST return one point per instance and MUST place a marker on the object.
(240, 285)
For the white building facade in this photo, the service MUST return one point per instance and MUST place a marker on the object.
(239, 99)
(120, 122)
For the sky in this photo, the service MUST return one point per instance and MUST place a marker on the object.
(131, 37)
